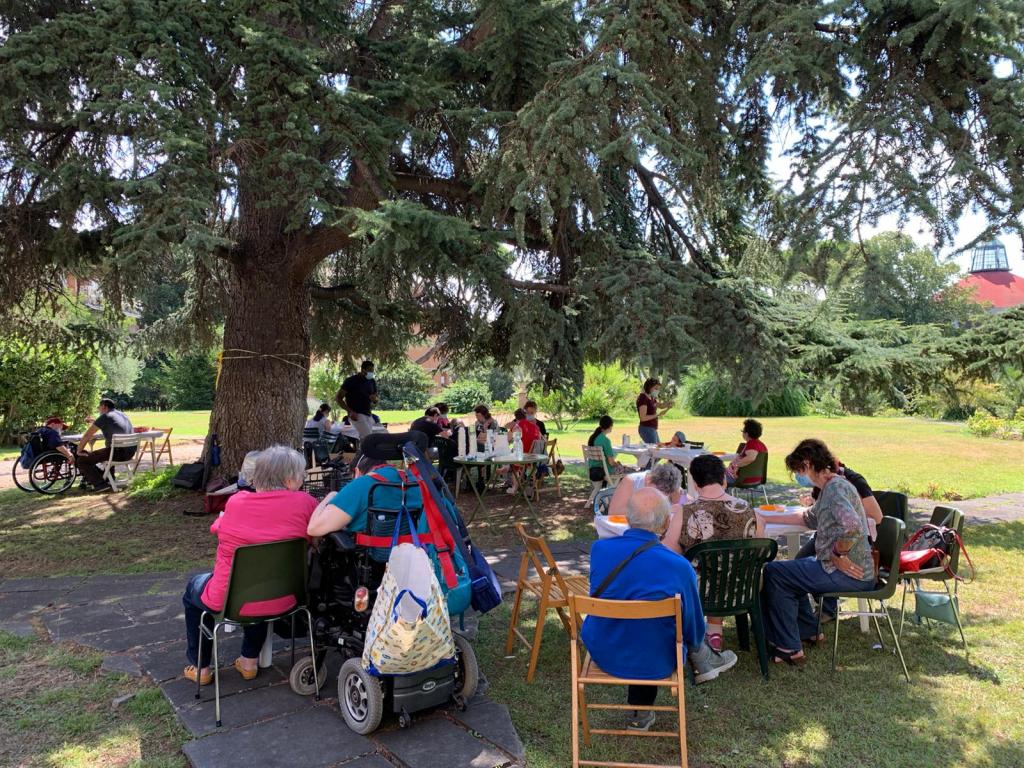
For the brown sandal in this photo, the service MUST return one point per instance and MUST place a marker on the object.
(247, 674)
(788, 657)
(190, 674)
(818, 641)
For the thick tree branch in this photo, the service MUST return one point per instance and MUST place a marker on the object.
(661, 206)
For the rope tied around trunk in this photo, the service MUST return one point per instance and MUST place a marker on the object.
(248, 354)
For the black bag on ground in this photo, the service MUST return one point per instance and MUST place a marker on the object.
(190, 476)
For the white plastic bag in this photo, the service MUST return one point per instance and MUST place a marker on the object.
(409, 628)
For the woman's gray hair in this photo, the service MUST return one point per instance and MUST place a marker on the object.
(648, 510)
(666, 478)
(275, 466)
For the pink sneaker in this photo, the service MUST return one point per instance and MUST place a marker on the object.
(714, 641)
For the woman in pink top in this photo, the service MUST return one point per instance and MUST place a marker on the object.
(278, 510)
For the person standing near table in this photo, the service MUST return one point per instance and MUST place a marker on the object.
(358, 395)
(110, 422)
(648, 410)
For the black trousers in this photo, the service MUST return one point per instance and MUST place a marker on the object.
(91, 473)
(641, 695)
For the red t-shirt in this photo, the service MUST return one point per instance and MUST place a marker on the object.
(754, 445)
(256, 518)
(652, 407)
(530, 432)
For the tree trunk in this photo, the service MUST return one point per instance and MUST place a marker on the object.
(264, 371)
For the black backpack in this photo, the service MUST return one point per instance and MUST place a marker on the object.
(190, 476)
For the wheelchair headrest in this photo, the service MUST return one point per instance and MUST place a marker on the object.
(385, 446)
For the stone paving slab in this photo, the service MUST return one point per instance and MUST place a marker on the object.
(138, 635)
(18, 628)
(122, 665)
(146, 609)
(492, 719)
(21, 605)
(310, 738)
(112, 587)
(182, 693)
(66, 623)
(241, 709)
(49, 583)
(438, 740)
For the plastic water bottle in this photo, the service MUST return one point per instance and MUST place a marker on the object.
(517, 444)
(489, 445)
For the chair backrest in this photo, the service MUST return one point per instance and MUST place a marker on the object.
(729, 573)
(596, 453)
(551, 449)
(626, 610)
(603, 500)
(539, 446)
(694, 444)
(893, 504)
(758, 468)
(892, 532)
(539, 555)
(125, 441)
(950, 517)
(265, 572)
(311, 434)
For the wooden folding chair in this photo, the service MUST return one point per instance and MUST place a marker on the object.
(585, 672)
(550, 447)
(551, 589)
(165, 447)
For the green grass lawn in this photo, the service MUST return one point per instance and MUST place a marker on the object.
(935, 459)
(958, 711)
(57, 711)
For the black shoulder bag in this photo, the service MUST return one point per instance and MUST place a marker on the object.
(618, 568)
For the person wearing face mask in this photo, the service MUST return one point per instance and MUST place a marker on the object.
(842, 559)
(648, 410)
(531, 415)
(357, 395)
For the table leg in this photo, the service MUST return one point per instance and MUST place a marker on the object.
(481, 507)
(152, 453)
(522, 492)
(792, 545)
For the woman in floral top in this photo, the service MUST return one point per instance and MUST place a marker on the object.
(841, 563)
(713, 516)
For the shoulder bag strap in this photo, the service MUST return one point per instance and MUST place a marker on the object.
(618, 568)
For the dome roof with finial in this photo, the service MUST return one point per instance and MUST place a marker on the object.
(990, 280)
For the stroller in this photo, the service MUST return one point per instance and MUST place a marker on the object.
(344, 577)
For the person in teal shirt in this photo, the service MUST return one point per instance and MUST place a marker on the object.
(347, 508)
(600, 439)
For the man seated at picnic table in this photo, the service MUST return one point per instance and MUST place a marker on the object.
(357, 395)
(428, 425)
(110, 422)
(637, 566)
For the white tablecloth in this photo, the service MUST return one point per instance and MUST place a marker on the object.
(606, 529)
(681, 456)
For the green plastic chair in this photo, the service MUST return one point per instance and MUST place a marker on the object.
(946, 517)
(729, 574)
(745, 477)
(260, 572)
(891, 535)
(893, 504)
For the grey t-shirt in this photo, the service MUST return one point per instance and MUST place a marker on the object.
(113, 423)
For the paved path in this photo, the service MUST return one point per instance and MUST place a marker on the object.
(137, 621)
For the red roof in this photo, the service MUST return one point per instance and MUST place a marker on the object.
(1000, 289)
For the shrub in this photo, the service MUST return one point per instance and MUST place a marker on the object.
(828, 405)
(606, 389)
(557, 406)
(190, 381)
(709, 395)
(463, 396)
(325, 379)
(37, 381)
(983, 425)
(402, 386)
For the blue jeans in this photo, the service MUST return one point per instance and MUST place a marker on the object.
(648, 435)
(787, 611)
(252, 636)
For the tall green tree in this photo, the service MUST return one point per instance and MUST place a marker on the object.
(547, 181)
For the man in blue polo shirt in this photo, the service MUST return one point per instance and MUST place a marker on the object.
(644, 649)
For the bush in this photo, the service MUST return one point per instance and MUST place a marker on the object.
(606, 389)
(325, 379)
(558, 406)
(500, 384)
(37, 381)
(828, 405)
(709, 395)
(987, 425)
(463, 396)
(402, 387)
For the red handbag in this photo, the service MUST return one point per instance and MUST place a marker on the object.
(916, 560)
(929, 548)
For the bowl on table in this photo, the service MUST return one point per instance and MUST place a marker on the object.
(620, 519)
(772, 508)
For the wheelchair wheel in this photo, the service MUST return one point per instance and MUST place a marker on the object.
(301, 678)
(360, 696)
(52, 473)
(467, 670)
(20, 475)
